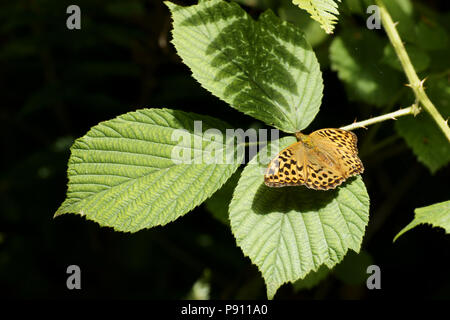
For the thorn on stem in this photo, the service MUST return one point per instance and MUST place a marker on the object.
(422, 82)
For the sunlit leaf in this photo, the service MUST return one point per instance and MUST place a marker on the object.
(437, 215)
(263, 68)
(146, 168)
(292, 231)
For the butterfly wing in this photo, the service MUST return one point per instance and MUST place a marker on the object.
(325, 161)
(340, 146)
(287, 169)
(298, 165)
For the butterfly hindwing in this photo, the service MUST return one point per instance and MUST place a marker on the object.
(286, 169)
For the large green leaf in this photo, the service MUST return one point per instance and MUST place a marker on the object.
(263, 68)
(147, 168)
(438, 215)
(289, 232)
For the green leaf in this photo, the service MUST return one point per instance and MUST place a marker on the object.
(356, 56)
(289, 232)
(422, 134)
(323, 11)
(438, 215)
(147, 168)
(263, 68)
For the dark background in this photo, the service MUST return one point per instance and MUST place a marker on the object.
(57, 83)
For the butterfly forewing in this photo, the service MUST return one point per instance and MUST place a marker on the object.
(343, 139)
(343, 146)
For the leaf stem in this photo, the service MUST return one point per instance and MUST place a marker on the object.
(414, 82)
(414, 110)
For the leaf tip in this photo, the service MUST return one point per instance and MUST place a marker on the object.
(172, 6)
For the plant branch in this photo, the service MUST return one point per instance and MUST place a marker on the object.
(414, 110)
(414, 82)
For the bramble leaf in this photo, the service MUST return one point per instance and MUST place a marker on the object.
(263, 68)
(146, 168)
(438, 215)
(292, 231)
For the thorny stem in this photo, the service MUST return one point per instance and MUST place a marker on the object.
(414, 109)
(414, 82)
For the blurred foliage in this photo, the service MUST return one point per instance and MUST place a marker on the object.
(57, 83)
(355, 55)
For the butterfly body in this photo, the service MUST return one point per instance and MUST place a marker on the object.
(322, 160)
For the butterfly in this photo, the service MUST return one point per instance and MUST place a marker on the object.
(321, 160)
